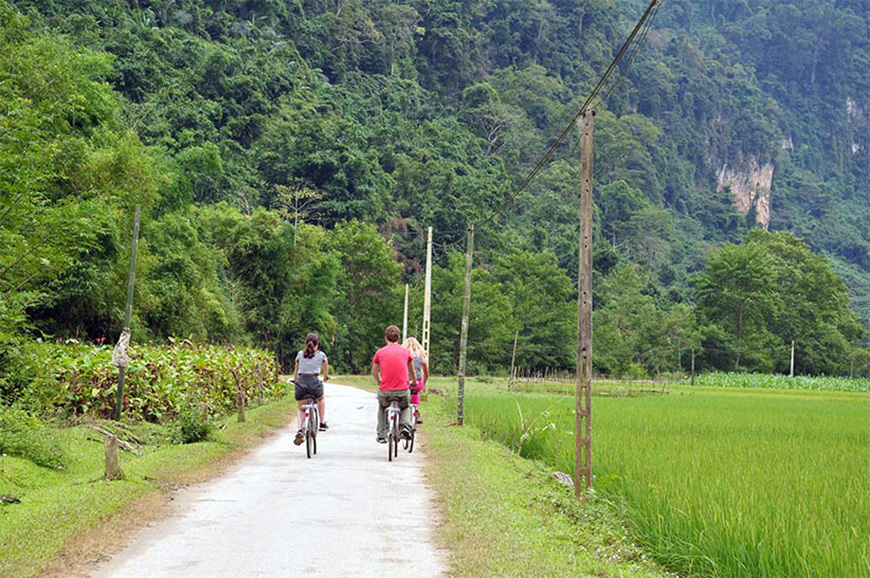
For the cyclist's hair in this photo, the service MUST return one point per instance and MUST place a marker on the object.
(415, 348)
(311, 343)
(392, 334)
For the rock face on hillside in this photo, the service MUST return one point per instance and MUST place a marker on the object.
(750, 186)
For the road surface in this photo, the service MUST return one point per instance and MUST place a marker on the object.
(345, 512)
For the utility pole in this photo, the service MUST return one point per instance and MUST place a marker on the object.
(463, 334)
(427, 302)
(513, 360)
(405, 317)
(791, 367)
(583, 427)
(124, 341)
(693, 365)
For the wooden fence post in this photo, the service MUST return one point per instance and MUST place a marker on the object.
(113, 465)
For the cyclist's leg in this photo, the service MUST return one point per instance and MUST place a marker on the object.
(321, 407)
(382, 421)
(404, 399)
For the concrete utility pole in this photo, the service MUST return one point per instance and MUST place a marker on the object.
(405, 317)
(463, 334)
(583, 431)
(791, 367)
(128, 312)
(427, 302)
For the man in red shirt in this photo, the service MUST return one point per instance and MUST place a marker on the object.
(391, 368)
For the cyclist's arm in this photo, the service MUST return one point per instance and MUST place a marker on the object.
(411, 373)
(325, 368)
(296, 371)
(376, 373)
(425, 373)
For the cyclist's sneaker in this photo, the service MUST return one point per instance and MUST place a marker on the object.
(300, 437)
(382, 440)
(323, 426)
(406, 432)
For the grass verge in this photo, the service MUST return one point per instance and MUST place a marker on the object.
(506, 516)
(69, 516)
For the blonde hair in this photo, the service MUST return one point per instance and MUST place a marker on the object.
(412, 345)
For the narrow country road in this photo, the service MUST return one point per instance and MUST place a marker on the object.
(345, 512)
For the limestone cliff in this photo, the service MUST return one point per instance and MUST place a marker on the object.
(750, 186)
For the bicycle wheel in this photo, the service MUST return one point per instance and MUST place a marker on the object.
(314, 428)
(411, 441)
(309, 441)
(391, 439)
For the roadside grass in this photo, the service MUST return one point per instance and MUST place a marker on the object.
(506, 516)
(59, 506)
(728, 482)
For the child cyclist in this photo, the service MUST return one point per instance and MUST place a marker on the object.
(421, 371)
(309, 362)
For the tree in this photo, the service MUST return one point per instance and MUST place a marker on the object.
(369, 297)
(738, 291)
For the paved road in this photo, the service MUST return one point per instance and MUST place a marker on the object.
(346, 512)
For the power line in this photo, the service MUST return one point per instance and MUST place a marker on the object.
(653, 6)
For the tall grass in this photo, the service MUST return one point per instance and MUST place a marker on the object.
(727, 483)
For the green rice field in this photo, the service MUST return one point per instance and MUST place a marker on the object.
(715, 482)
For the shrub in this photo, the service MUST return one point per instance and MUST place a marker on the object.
(190, 427)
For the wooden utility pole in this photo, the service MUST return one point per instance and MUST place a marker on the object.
(693, 366)
(405, 317)
(852, 366)
(128, 312)
(513, 360)
(583, 431)
(427, 303)
(463, 334)
(791, 367)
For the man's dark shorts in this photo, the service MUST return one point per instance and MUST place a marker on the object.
(308, 386)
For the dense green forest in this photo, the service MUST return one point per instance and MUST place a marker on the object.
(290, 154)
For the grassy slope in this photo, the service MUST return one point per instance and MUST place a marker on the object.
(506, 516)
(58, 506)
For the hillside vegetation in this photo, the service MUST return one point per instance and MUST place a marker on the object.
(289, 156)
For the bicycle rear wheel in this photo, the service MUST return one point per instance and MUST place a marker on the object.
(411, 441)
(314, 428)
(391, 440)
(309, 442)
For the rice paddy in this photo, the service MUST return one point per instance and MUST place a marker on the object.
(715, 482)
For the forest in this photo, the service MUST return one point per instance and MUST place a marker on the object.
(290, 155)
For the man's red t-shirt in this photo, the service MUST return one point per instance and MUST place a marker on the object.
(393, 360)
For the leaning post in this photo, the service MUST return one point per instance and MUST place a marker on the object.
(128, 313)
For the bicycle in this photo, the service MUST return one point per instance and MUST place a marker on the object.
(409, 443)
(393, 412)
(310, 425)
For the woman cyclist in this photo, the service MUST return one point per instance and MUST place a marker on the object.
(309, 362)
(421, 371)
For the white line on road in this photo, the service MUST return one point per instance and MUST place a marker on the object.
(345, 512)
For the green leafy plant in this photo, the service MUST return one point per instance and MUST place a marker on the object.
(190, 427)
